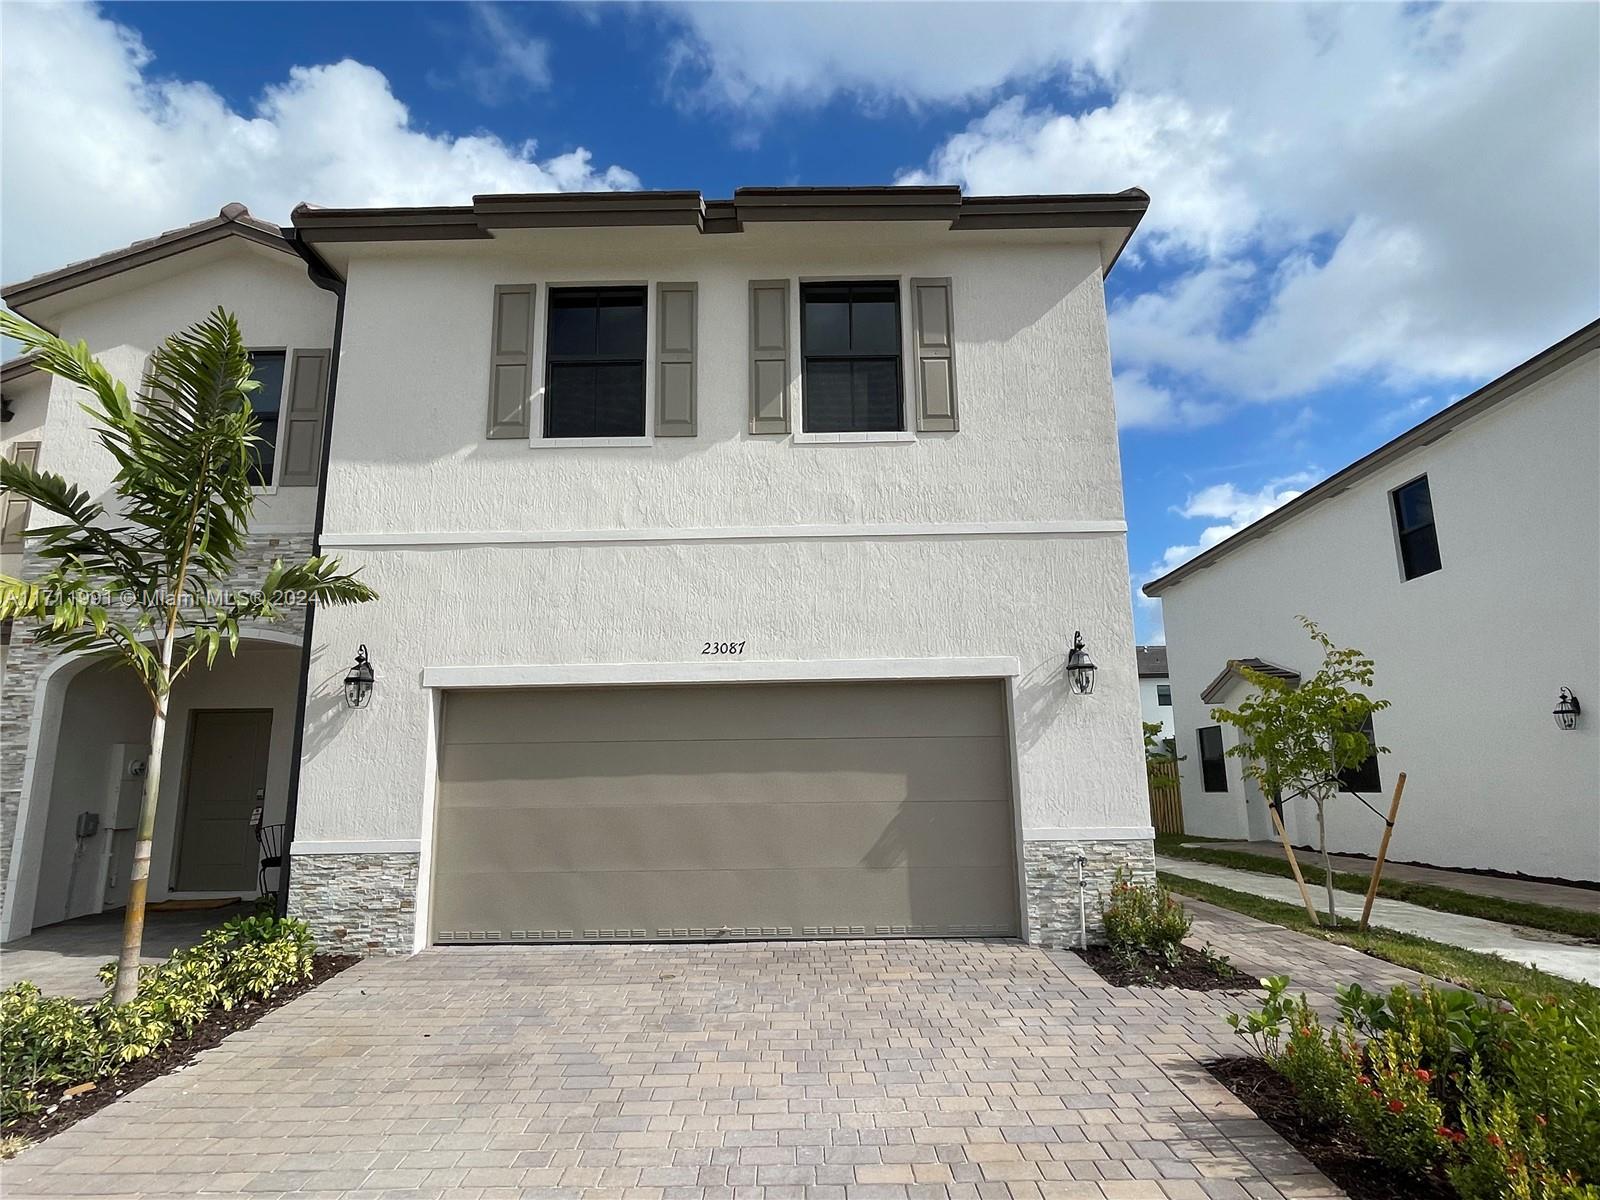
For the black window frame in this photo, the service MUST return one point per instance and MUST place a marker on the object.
(263, 467)
(817, 287)
(1163, 695)
(1213, 767)
(1366, 777)
(553, 359)
(1418, 543)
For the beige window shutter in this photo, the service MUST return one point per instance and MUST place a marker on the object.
(511, 360)
(769, 356)
(677, 332)
(14, 509)
(935, 349)
(305, 415)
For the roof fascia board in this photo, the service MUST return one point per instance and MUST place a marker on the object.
(1547, 362)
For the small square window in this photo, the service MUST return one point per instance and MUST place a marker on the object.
(1413, 524)
(594, 363)
(266, 402)
(1364, 778)
(1164, 695)
(1213, 761)
(850, 341)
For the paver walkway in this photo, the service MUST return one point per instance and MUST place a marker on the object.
(911, 1070)
(1532, 891)
(62, 959)
(1548, 952)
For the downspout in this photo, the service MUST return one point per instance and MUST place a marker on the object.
(323, 276)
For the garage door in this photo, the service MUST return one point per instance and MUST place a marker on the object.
(733, 810)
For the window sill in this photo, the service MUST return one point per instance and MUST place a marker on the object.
(827, 439)
(544, 443)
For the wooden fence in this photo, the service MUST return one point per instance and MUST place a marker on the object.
(1166, 803)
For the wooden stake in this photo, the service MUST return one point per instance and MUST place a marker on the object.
(1383, 849)
(1294, 863)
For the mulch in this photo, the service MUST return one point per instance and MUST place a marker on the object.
(1194, 972)
(1333, 1151)
(61, 1112)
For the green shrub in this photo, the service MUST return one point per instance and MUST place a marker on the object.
(47, 1041)
(1143, 920)
(1548, 1057)
(1392, 1107)
(1322, 1066)
(1503, 1153)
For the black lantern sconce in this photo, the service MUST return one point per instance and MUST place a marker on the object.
(358, 683)
(1080, 667)
(1567, 710)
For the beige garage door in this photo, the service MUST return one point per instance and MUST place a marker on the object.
(733, 810)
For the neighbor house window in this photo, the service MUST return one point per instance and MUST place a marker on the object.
(594, 363)
(1164, 695)
(1413, 523)
(850, 340)
(1213, 766)
(266, 366)
(1364, 778)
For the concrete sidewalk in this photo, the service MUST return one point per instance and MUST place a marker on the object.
(1529, 891)
(1549, 952)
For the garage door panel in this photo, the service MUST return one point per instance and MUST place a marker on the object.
(877, 837)
(832, 810)
(588, 905)
(846, 771)
(745, 710)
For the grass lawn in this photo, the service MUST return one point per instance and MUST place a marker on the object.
(1569, 921)
(1484, 973)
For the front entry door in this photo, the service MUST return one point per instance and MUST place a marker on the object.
(226, 770)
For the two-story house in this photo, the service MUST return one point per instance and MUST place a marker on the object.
(1464, 557)
(730, 556)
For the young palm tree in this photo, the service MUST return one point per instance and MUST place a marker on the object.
(152, 583)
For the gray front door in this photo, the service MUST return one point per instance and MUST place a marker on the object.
(226, 769)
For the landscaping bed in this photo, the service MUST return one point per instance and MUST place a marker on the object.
(1194, 970)
(1336, 1153)
(62, 1059)
(60, 1113)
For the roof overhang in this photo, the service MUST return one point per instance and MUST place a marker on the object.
(234, 221)
(1218, 687)
(1565, 352)
(1115, 217)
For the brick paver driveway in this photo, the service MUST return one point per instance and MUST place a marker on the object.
(767, 1071)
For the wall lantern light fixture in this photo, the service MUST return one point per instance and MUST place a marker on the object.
(1567, 710)
(1080, 667)
(358, 683)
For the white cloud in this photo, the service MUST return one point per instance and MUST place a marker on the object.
(1232, 508)
(1142, 404)
(507, 61)
(1406, 193)
(100, 149)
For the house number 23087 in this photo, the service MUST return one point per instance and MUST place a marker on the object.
(723, 648)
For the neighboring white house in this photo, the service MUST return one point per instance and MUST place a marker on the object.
(729, 555)
(1464, 557)
(1155, 689)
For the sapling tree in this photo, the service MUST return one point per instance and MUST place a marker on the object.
(152, 581)
(1294, 740)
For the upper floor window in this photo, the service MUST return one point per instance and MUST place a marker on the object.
(267, 404)
(1213, 763)
(594, 363)
(1413, 523)
(1164, 695)
(850, 342)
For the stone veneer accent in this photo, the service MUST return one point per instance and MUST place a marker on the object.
(1051, 869)
(356, 903)
(26, 661)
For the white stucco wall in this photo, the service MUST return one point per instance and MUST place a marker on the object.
(1471, 656)
(1037, 446)
(1151, 710)
(28, 399)
(125, 318)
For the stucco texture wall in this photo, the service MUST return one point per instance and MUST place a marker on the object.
(1471, 656)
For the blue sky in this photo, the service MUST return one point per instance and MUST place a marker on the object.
(1359, 213)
